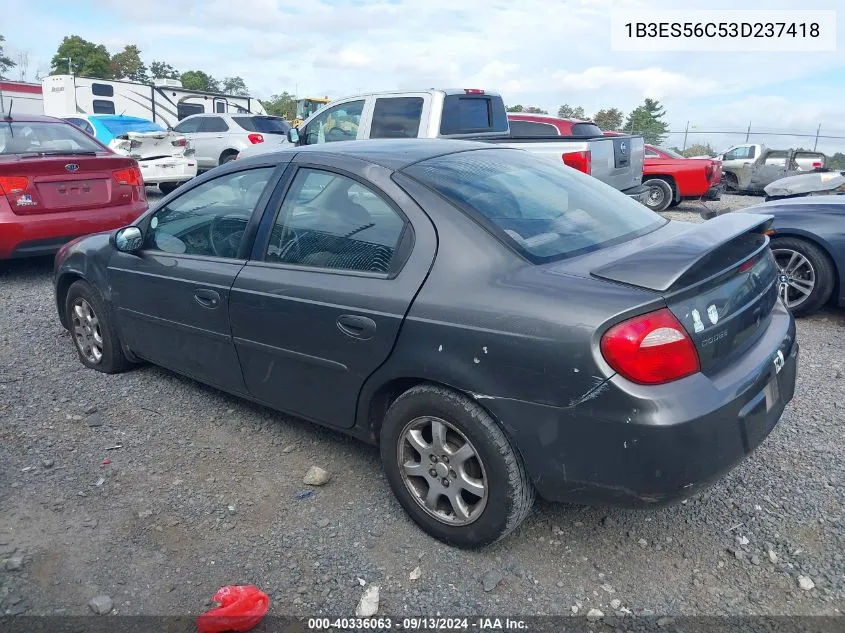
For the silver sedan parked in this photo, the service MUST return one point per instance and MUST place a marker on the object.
(218, 138)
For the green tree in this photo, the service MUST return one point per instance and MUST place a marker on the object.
(127, 64)
(609, 119)
(837, 161)
(535, 110)
(86, 58)
(234, 86)
(698, 149)
(566, 111)
(647, 120)
(6, 63)
(283, 105)
(162, 70)
(516, 108)
(198, 80)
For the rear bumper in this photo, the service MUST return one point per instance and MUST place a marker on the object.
(638, 193)
(633, 445)
(176, 169)
(44, 233)
(715, 192)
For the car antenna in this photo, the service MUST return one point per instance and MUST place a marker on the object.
(8, 115)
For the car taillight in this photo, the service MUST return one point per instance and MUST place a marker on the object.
(256, 138)
(129, 176)
(650, 349)
(582, 161)
(13, 184)
(179, 142)
(708, 171)
(817, 165)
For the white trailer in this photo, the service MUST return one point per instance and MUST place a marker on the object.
(22, 97)
(164, 101)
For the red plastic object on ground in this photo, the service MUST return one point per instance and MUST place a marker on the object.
(241, 609)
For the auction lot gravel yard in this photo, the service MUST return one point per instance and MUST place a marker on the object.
(155, 491)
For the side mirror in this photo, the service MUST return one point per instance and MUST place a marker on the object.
(128, 239)
(293, 136)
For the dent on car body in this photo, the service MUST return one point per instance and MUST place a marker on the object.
(820, 183)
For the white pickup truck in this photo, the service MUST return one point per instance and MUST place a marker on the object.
(464, 114)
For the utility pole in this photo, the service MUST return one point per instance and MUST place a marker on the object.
(819, 129)
(748, 133)
(686, 131)
(69, 67)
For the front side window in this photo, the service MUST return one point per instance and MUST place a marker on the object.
(542, 208)
(339, 123)
(331, 221)
(189, 126)
(210, 219)
(397, 117)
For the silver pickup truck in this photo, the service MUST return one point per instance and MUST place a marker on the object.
(465, 114)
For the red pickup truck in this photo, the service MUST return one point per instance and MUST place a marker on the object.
(672, 178)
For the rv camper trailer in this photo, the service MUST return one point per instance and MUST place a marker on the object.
(164, 101)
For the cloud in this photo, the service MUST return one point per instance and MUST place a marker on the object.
(657, 83)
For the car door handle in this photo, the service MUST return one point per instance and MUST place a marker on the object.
(359, 327)
(207, 298)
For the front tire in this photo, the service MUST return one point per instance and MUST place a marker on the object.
(452, 468)
(660, 194)
(807, 276)
(94, 337)
(168, 187)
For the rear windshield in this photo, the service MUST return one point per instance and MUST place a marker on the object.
(543, 209)
(44, 136)
(473, 114)
(118, 127)
(263, 124)
(586, 129)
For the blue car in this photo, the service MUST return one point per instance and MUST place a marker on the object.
(104, 127)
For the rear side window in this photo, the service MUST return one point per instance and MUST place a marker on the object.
(543, 209)
(213, 124)
(473, 114)
(82, 124)
(103, 106)
(397, 117)
(263, 124)
(586, 129)
(532, 128)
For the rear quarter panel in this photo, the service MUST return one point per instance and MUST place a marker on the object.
(688, 174)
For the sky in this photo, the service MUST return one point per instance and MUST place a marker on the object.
(534, 52)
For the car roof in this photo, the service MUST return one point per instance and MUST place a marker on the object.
(29, 118)
(395, 154)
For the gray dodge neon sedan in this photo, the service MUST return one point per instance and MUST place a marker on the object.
(500, 325)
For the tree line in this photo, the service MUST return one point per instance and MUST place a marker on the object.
(646, 119)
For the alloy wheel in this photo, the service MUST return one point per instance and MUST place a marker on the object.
(797, 277)
(86, 331)
(442, 470)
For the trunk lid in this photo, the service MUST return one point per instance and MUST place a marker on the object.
(150, 145)
(718, 278)
(34, 184)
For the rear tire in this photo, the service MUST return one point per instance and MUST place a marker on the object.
(731, 183)
(660, 194)
(94, 336)
(482, 459)
(811, 270)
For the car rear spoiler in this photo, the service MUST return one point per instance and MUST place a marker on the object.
(660, 266)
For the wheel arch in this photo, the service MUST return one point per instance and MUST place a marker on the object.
(670, 180)
(227, 152)
(63, 283)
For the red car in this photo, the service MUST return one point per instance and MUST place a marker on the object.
(57, 183)
(672, 178)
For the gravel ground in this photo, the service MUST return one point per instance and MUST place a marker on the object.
(155, 491)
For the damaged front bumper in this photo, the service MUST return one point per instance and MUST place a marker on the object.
(632, 445)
